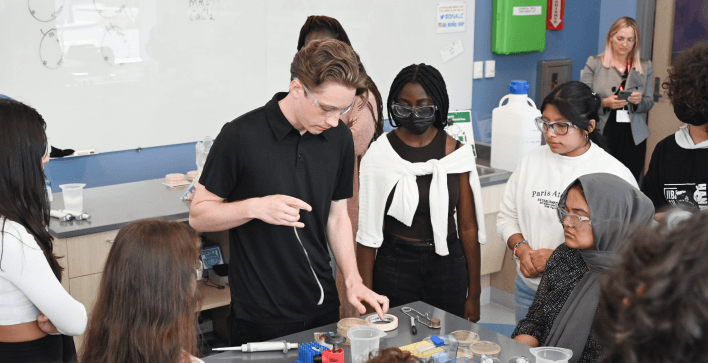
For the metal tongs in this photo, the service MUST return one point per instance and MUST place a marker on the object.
(433, 323)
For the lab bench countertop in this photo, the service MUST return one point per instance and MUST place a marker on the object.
(112, 207)
(396, 338)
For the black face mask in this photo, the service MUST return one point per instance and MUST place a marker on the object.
(415, 125)
(683, 113)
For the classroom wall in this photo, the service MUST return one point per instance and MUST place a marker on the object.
(611, 11)
(578, 40)
(121, 166)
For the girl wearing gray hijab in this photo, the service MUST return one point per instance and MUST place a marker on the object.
(598, 212)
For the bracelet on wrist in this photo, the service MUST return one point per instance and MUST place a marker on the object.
(516, 246)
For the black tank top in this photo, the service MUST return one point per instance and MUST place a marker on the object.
(422, 228)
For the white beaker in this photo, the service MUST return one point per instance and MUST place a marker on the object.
(73, 197)
(365, 340)
(551, 354)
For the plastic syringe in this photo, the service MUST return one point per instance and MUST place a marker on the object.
(262, 347)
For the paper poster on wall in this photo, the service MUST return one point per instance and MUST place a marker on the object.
(461, 128)
(452, 51)
(452, 16)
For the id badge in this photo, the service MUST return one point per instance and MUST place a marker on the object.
(622, 116)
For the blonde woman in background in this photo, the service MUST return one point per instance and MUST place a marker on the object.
(619, 68)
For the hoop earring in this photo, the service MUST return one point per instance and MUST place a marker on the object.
(587, 137)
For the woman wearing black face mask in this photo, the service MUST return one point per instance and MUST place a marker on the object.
(678, 172)
(411, 184)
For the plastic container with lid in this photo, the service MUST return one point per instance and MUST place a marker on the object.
(514, 131)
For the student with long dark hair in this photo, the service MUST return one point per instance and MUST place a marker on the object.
(527, 221)
(147, 304)
(365, 120)
(34, 307)
(413, 181)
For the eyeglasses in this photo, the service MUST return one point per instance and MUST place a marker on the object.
(316, 103)
(420, 111)
(623, 40)
(560, 128)
(574, 220)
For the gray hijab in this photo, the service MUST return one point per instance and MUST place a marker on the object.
(616, 210)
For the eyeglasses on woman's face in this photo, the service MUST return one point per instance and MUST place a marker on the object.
(403, 111)
(326, 109)
(559, 128)
(622, 40)
(573, 220)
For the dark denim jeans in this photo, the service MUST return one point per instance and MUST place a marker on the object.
(406, 274)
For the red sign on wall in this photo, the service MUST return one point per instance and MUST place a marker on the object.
(555, 14)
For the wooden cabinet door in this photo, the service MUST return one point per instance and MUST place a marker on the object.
(60, 250)
(85, 290)
(87, 254)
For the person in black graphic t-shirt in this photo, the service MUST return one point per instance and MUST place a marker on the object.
(276, 178)
(678, 170)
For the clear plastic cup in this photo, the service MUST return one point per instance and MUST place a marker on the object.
(551, 354)
(364, 339)
(73, 197)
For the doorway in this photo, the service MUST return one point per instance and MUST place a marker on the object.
(662, 121)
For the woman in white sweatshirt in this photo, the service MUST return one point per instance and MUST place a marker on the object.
(527, 219)
(34, 307)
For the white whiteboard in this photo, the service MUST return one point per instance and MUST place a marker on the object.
(121, 74)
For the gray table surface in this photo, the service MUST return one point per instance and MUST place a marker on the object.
(395, 338)
(112, 207)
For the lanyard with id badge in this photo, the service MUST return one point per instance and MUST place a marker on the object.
(623, 115)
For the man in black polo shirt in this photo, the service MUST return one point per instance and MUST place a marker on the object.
(277, 177)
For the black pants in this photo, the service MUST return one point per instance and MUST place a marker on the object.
(242, 331)
(48, 349)
(620, 144)
(406, 273)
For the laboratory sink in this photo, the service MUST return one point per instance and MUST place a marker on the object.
(485, 170)
(490, 176)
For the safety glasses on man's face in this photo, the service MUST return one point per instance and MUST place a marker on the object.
(559, 128)
(420, 111)
(316, 103)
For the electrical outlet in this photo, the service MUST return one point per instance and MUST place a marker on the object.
(489, 69)
(478, 72)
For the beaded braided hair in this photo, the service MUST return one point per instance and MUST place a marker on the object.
(432, 82)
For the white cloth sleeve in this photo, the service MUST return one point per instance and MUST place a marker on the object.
(507, 219)
(24, 265)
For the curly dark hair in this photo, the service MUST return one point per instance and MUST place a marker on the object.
(688, 79)
(393, 355)
(654, 303)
